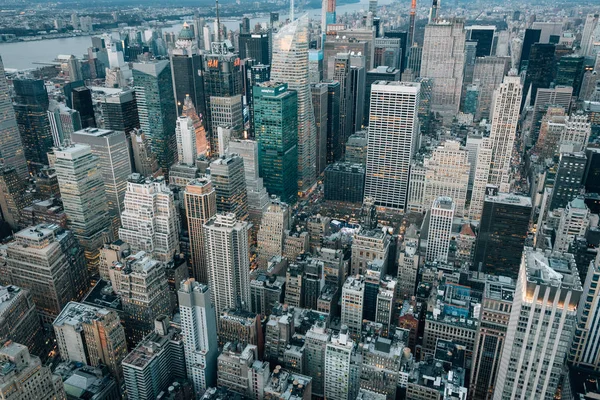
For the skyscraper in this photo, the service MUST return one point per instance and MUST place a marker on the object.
(440, 229)
(502, 232)
(338, 360)
(341, 73)
(13, 196)
(154, 94)
(589, 29)
(568, 180)
(186, 141)
(334, 138)
(84, 199)
(186, 70)
(443, 60)
(544, 312)
(320, 105)
(574, 222)
(200, 205)
(275, 220)
(353, 299)
(393, 137)
(226, 244)
(539, 75)
(316, 340)
(487, 75)
(91, 335)
(531, 36)
(381, 73)
(81, 101)
(31, 109)
(228, 179)
(149, 221)
(290, 65)
(276, 129)
(63, 121)
(58, 262)
(255, 45)
(120, 112)
(199, 329)
(505, 117)
(110, 148)
(558, 96)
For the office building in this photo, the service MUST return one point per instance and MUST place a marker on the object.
(14, 196)
(63, 121)
(552, 127)
(228, 178)
(153, 86)
(84, 199)
(275, 220)
(447, 174)
(443, 60)
(110, 254)
(334, 138)
(266, 292)
(548, 286)
(114, 163)
(498, 296)
(120, 112)
(31, 110)
(558, 96)
(569, 72)
(276, 130)
(538, 74)
(440, 229)
(341, 73)
(19, 320)
(381, 73)
(568, 180)
(12, 147)
(155, 362)
(186, 141)
(200, 206)
(256, 46)
(315, 344)
(338, 364)
(592, 172)
(531, 36)
(589, 33)
(483, 35)
(149, 221)
(240, 370)
(584, 349)
(141, 282)
(393, 137)
(243, 327)
(26, 377)
(320, 101)
(356, 148)
(369, 245)
(505, 117)
(488, 74)
(226, 243)
(226, 112)
(199, 331)
(344, 182)
(144, 159)
(353, 298)
(358, 79)
(92, 336)
(290, 65)
(408, 267)
(502, 233)
(80, 100)
(186, 70)
(85, 382)
(574, 221)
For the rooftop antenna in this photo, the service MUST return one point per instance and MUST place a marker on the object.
(218, 22)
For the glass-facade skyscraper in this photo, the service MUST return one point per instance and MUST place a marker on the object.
(157, 112)
(276, 127)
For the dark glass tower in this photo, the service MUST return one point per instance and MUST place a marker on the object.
(31, 109)
(540, 69)
(187, 79)
(81, 98)
(255, 46)
(531, 36)
(569, 177)
(276, 127)
(570, 72)
(592, 171)
(334, 140)
(502, 233)
(484, 39)
(120, 112)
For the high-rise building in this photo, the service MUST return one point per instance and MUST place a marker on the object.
(276, 130)
(589, 33)
(149, 221)
(481, 176)
(153, 85)
(84, 199)
(558, 96)
(226, 112)
(91, 335)
(341, 73)
(584, 350)
(381, 73)
(141, 282)
(144, 159)
(26, 376)
(186, 141)
(408, 267)
(275, 220)
(539, 75)
(12, 152)
(356, 148)
(505, 117)
(290, 65)
(393, 137)
(344, 182)
(316, 340)
(226, 244)
(358, 79)
(545, 311)
(199, 330)
(443, 60)
(488, 74)
(240, 370)
(81, 101)
(63, 121)
(369, 245)
(353, 298)
(334, 138)
(483, 35)
(200, 206)
(120, 112)
(574, 222)
(502, 232)
(13, 196)
(320, 102)
(498, 295)
(158, 360)
(447, 174)
(186, 70)
(228, 178)
(110, 148)
(531, 36)
(338, 364)
(19, 320)
(568, 180)
(569, 72)
(440, 229)
(255, 45)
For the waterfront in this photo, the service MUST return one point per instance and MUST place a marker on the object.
(25, 55)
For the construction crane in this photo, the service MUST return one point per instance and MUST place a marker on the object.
(411, 25)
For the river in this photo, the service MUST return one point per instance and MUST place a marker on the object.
(24, 55)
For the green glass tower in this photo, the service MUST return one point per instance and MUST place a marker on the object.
(157, 112)
(276, 129)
